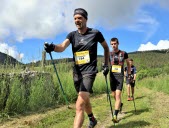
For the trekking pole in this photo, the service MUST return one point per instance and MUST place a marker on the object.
(134, 100)
(134, 104)
(108, 97)
(64, 95)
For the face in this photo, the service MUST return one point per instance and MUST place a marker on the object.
(114, 45)
(80, 21)
(131, 63)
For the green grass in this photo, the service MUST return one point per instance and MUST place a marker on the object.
(22, 94)
(159, 83)
(59, 118)
(145, 116)
(43, 96)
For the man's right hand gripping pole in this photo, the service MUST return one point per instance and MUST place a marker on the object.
(49, 47)
(105, 70)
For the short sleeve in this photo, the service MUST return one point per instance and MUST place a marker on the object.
(125, 55)
(100, 37)
(69, 36)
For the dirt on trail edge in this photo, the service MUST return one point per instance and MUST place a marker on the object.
(151, 112)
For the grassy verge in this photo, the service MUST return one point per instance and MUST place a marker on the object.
(151, 107)
(147, 115)
(150, 112)
(158, 83)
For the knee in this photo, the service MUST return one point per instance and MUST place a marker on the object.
(118, 96)
(82, 102)
(80, 105)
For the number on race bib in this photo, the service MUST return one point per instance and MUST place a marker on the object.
(82, 57)
(116, 68)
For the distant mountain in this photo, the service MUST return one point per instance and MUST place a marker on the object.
(48, 62)
(9, 60)
(155, 51)
(63, 60)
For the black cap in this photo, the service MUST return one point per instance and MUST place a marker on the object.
(81, 11)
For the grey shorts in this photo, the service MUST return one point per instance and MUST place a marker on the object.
(132, 84)
(116, 82)
(84, 82)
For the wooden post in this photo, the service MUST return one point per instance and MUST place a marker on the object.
(43, 59)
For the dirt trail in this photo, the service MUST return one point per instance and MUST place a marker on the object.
(151, 112)
(27, 121)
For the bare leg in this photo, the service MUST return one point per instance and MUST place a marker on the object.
(128, 90)
(118, 100)
(88, 107)
(114, 95)
(82, 104)
(117, 96)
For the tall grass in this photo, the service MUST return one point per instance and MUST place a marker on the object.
(16, 101)
(42, 93)
(66, 79)
(29, 94)
(20, 94)
(69, 89)
(159, 83)
(99, 86)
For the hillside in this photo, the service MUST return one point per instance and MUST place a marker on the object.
(131, 54)
(150, 59)
(141, 59)
(7, 60)
(4, 57)
(48, 62)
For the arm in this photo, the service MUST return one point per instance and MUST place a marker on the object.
(106, 52)
(134, 77)
(128, 66)
(134, 73)
(61, 47)
(125, 73)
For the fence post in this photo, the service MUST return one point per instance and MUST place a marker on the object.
(43, 59)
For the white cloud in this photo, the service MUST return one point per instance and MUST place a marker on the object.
(162, 44)
(11, 51)
(42, 19)
(144, 23)
(25, 19)
(164, 3)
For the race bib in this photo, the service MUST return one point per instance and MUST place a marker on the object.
(82, 57)
(116, 68)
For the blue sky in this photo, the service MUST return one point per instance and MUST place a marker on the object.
(26, 24)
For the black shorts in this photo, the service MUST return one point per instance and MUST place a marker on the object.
(116, 82)
(128, 82)
(84, 82)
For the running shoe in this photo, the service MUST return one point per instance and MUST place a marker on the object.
(132, 98)
(92, 123)
(115, 120)
(128, 98)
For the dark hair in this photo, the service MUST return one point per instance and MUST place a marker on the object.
(115, 39)
(81, 11)
(130, 59)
